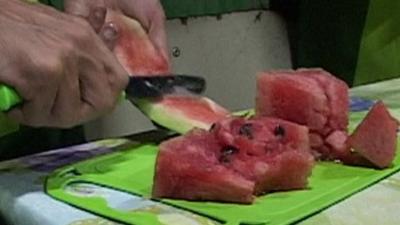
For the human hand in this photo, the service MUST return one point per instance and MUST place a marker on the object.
(58, 64)
(149, 13)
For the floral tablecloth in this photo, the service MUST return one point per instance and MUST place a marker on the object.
(23, 201)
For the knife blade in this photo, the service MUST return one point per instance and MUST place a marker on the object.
(156, 86)
(138, 87)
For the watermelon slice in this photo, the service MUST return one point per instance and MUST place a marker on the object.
(376, 136)
(133, 48)
(140, 57)
(263, 154)
(183, 113)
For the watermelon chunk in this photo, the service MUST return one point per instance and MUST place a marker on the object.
(188, 167)
(310, 97)
(272, 152)
(140, 57)
(376, 136)
(266, 154)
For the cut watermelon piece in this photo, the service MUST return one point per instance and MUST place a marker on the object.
(182, 113)
(336, 92)
(376, 136)
(310, 97)
(281, 94)
(140, 57)
(188, 168)
(133, 48)
(264, 154)
(268, 148)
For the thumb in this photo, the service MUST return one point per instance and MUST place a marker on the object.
(109, 33)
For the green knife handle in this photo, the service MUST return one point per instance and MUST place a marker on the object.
(8, 98)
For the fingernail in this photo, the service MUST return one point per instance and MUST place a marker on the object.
(110, 32)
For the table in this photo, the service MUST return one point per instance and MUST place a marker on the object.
(23, 201)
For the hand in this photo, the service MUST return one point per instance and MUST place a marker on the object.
(148, 12)
(58, 64)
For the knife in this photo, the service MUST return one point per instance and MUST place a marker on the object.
(138, 87)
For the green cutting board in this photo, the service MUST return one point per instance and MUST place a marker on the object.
(131, 170)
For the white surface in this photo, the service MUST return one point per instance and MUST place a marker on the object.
(227, 52)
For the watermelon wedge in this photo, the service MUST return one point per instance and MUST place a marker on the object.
(139, 56)
(133, 48)
(376, 136)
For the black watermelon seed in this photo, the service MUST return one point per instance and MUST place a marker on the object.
(226, 153)
(213, 126)
(246, 130)
(279, 131)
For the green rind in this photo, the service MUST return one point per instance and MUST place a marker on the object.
(169, 118)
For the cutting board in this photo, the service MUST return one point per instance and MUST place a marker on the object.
(131, 170)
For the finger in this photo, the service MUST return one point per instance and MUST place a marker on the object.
(82, 7)
(117, 76)
(158, 36)
(93, 79)
(97, 18)
(64, 110)
(109, 34)
(10, 75)
(34, 113)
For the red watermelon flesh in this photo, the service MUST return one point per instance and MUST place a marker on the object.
(376, 136)
(188, 167)
(222, 165)
(336, 92)
(133, 48)
(282, 95)
(310, 97)
(262, 130)
(339, 149)
(264, 147)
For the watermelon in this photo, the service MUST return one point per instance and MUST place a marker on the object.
(263, 154)
(316, 99)
(133, 48)
(188, 167)
(182, 113)
(375, 138)
(272, 152)
(310, 97)
(139, 56)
